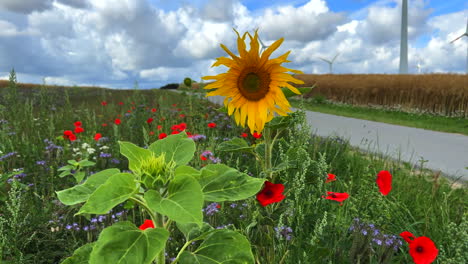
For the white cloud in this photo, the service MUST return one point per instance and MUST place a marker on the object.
(117, 42)
(58, 81)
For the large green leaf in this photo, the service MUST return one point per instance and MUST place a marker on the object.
(235, 145)
(80, 193)
(81, 255)
(117, 189)
(222, 183)
(187, 170)
(183, 203)
(123, 243)
(192, 230)
(134, 154)
(178, 148)
(221, 246)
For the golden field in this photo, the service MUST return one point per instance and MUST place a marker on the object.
(445, 94)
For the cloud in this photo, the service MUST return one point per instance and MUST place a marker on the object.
(218, 10)
(25, 6)
(312, 21)
(114, 43)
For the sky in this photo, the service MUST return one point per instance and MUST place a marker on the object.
(115, 43)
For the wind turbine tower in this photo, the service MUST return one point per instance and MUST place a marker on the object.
(464, 35)
(404, 38)
(330, 62)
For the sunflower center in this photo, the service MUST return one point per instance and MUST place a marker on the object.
(253, 83)
(419, 249)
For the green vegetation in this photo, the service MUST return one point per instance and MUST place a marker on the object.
(35, 227)
(396, 117)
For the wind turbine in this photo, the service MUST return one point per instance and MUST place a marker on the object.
(463, 35)
(263, 45)
(330, 62)
(404, 38)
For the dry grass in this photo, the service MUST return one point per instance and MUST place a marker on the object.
(4, 84)
(445, 94)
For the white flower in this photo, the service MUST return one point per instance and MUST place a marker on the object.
(104, 147)
(76, 149)
(85, 146)
(91, 150)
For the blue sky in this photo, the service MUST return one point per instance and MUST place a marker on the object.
(113, 43)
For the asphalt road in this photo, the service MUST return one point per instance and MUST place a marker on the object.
(445, 152)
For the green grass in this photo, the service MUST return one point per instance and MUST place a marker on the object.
(418, 202)
(425, 121)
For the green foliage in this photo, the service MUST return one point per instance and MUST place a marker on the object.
(117, 189)
(188, 82)
(81, 255)
(77, 166)
(183, 203)
(222, 183)
(221, 246)
(125, 243)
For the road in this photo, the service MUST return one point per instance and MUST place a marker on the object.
(445, 152)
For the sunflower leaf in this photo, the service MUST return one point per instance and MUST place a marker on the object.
(221, 246)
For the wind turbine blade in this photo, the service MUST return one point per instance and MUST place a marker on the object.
(457, 38)
(324, 60)
(335, 57)
(263, 45)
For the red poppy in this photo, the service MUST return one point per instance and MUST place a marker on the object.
(384, 181)
(117, 121)
(151, 133)
(97, 136)
(104, 124)
(149, 120)
(256, 135)
(72, 137)
(203, 157)
(182, 115)
(104, 103)
(121, 103)
(244, 135)
(153, 110)
(133, 103)
(77, 123)
(175, 132)
(423, 250)
(211, 125)
(174, 105)
(162, 135)
(79, 130)
(189, 134)
(129, 111)
(407, 236)
(218, 206)
(159, 127)
(182, 126)
(67, 133)
(339, 197)
(147, 224)
(271, 193)
(331, 177)
(133, 108)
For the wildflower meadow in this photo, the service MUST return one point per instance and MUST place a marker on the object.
(151, 176)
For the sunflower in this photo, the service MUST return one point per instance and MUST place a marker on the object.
(252, 84)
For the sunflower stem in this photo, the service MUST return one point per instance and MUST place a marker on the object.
(268, 147)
